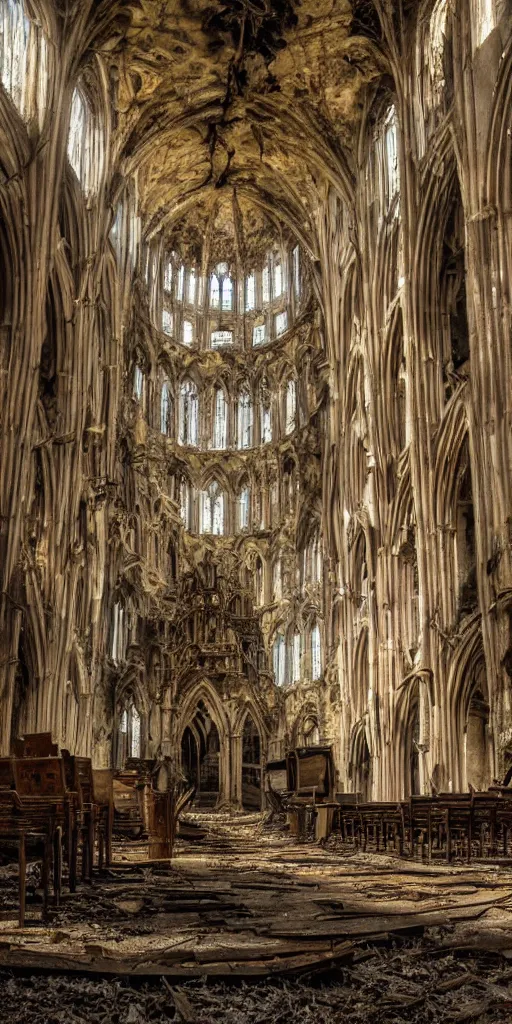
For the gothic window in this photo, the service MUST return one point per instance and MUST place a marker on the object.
(186, 504)
(166, 409)
(129, 742)
(295, 659)
(266, 424)
(258, 334)
(277, 583)
(244, 420)
(290, 406)
(278, 280)
(485, 17)
(85, 144)
(168, 276)
(138, 383)
(118, 634)
(212, 510)
(243, 508)
(188, 413)
(180, 283)
(279, 659)
(167, 322)
(281, 323)
(391, 155)
(316, 653)
(191, 289)
(274, 503)
(219, 419)
(219, 338)
(188, 332)
(214, 292)
(227, 293)
(296, 270)
(265, 283)
(250, 292)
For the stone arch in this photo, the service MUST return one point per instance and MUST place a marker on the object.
(360, 767)
(203, 692)
(466, 684)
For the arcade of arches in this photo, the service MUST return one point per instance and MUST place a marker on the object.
(255, 387)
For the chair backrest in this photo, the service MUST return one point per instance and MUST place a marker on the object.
(103, 786)
(6, 773)
(39, 776)
(36, 744)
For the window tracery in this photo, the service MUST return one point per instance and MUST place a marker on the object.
(166, 409)
(316, 653)
(219, 419)
(189, 409)
(23, 60)
(279, 660)
(244, 420)
(290, 406)
(85, 143)
(212, 510)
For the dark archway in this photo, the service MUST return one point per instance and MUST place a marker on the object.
(200, 748)
(251, 766)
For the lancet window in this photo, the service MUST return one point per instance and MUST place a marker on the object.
(244, 499)
(219, 419)
(279, 659)
(85, 143)
(316, 652)
(295, 657)
(290, 406)
(244, 420)
(212, 510)
(189, 410)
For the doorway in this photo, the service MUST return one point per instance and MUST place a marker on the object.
(200, 755)
(251, 766)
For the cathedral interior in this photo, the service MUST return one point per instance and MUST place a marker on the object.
(256, 508)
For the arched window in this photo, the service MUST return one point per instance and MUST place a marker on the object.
(278, 280)
(188, 413)
(23, 60)
(180, 283)
(219, 419)
(166, 409)
(485, 17)
(244, 500)
(258, 334)
(279, 659)
(214, 292)
(167, 322)
(391, 155)
(119, 637)
(85, 143)
(129, 741)
(168, 276)
(186, 503)
(250, 292)
(265, 283)
(244, 420)
(191, 290)
(277, 582)
(316, 653)
(188, 332)
(227, 293)
(212, 510)
(296, 270)
(281, 322)
(138, 383)
(290, 406)
(266, 424)
(295, 659)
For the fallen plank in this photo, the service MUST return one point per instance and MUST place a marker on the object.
(288, 966)
(374, 926)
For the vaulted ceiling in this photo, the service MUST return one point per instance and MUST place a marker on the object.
(245, 101)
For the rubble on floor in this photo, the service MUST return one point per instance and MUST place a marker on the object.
(250, 926)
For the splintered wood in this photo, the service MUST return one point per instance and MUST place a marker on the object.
(250, 905)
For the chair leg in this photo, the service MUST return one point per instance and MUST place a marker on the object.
(57, 865)
(22, 878)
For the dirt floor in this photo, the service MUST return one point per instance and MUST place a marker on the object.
(249, 926)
